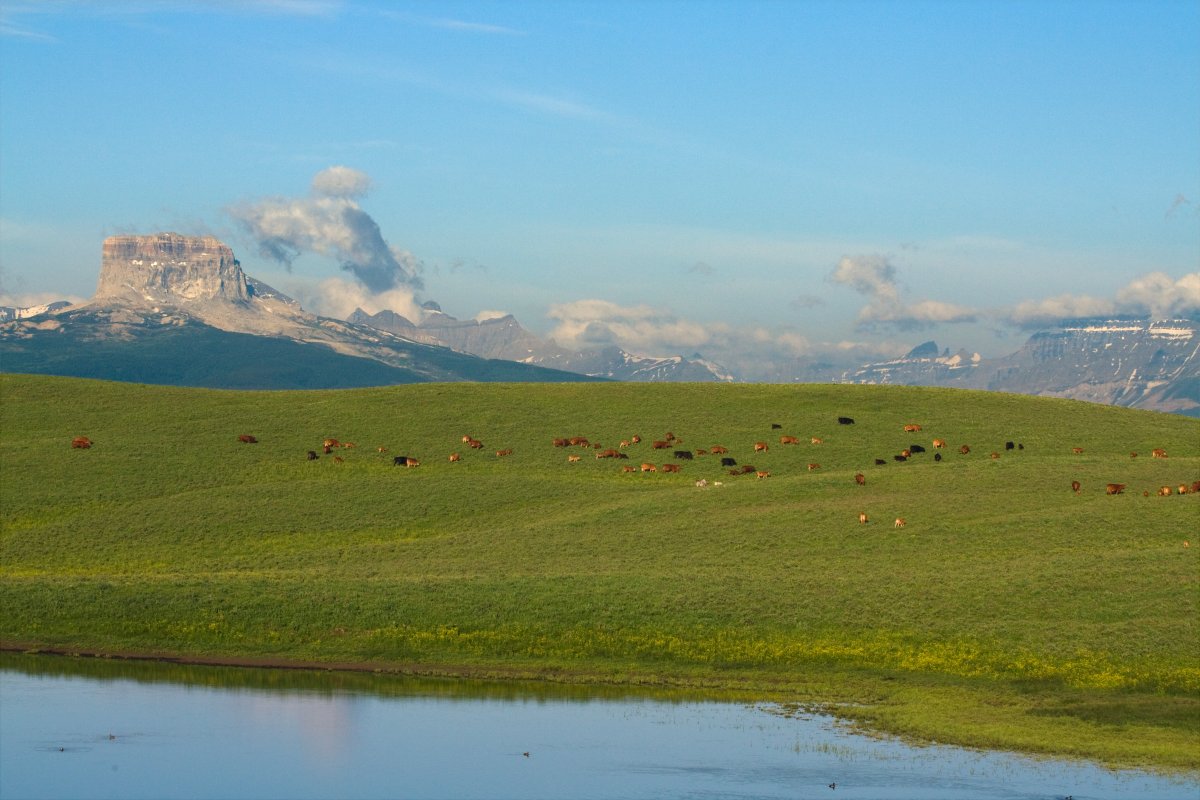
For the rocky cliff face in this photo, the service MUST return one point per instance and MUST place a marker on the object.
(167, 268)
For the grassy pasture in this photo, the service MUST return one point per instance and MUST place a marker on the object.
(1009, 611)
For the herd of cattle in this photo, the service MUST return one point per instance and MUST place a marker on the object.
(673, 444)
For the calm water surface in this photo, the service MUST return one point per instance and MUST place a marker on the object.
(81, 728)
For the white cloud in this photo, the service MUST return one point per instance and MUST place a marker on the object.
(336, 297)
(30, 299)
(1155, 294)
(484, 316)
(875, 277)
(640, 329)
(341, 182)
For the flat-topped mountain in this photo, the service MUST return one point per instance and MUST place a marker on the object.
(179, 310)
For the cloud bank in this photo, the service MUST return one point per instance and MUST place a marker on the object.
(874, 277)
(1155, 295)
(330, 222)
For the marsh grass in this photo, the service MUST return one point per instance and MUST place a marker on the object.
(1008, 612)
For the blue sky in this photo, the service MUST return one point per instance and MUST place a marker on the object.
(808, 177)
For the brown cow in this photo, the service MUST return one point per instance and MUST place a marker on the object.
(1165, 491)
(1132, 454)
(761, 447)
(455, 457)
(900, 523)
(560, 442)
(938, 444)
(661, 445)
(1183, 489)
(811, 467)
(670, 468)
(628, 468)
(635, 439)
(1076, 450)
(405, 461)
(860, 479)
(762, 474)
(573, 459)
(717, 449)
(748, 468)
(381, 449)
(966, 448)
(1158, 452)
(1195, 487)
(609, 453)
(338, 459)
(1114, 488)
(911, 428)
(474, 444)
(503, 453)
(1075, 487)
(906, 453)
(790, 440)
(578, 441)
(246, 438)
(862, 519)
(649, 468)
(995, 455)
(816, 440)
(624, 444)
(81, 443)
(331, 443)
(349, 445)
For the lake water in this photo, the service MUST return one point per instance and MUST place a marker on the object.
(86, 728)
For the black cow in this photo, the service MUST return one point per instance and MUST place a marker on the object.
(900, 458)
(404, 461)
(937, 456)
(685, 455)
(312, 455)
(845, 421)
(916, 448)
(775, 426)
(1009, 445)
(728, 462)
(879, 462)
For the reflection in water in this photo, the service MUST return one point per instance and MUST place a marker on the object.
(100, 728)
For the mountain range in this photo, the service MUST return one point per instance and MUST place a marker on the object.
(174, 309)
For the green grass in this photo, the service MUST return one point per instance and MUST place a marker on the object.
(1009, 612)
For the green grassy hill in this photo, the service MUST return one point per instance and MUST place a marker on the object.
(1008, 612)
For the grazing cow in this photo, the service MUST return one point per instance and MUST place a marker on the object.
(331, 443)
(81, 443)
(327, 449)
(635, 439)
(578, 441)
(911, 428)
(817, 440)
(455, 457)
(1009, 445)
(1114, 488)
(879, 462)
(860, 479)
(405, 461)
(1195, 487)
(609, 453)
(683, 455)
(862, 519)
(845, 421)
(574, 459)
(761, 447)
(622, 455)
(1165, 491)
(670, 437)
(312, 455)
(717, 449)
(937, 456)
(503, 453)
(906, 453)
(649, 468)
(560, 442)
(735, 472)
(728, 462)
(775, 426)
(762, 474)
(995, 455)
(246, 438)
(381, 449)
(1075, 487)
(670, 468)
(1183, 489)
(624, 443)
(1132, 455)
(790, 440)
(661, 445)
(1020, 446)
(965, 449)
(811, 467)
(901, 457)
(916, 448)
(338, 459)
(702, 483)
(700, 451)
(899, 522)
(1158, 452)
(1076, 450)
(628, 468)
(349, 445)
(938, 444)
(474, 444)
(748, 468)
